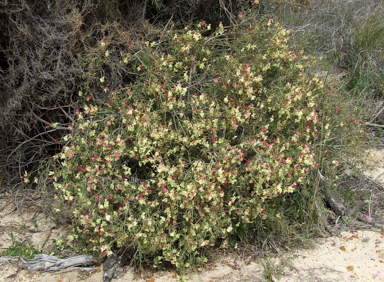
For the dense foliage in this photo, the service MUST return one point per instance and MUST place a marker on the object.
(215, 125)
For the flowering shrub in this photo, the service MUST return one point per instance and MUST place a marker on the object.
(214, 126)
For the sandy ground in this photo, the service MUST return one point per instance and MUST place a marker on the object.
(350, 256)
(376, 173)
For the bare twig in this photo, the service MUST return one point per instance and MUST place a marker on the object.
(379, 112)
(374, 125)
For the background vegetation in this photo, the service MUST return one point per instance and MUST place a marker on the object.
(50, 51)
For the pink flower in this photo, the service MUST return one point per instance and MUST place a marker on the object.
(368, 217)
(217, 80)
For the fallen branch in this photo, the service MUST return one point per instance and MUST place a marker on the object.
(44, 262)
(82, 269)
(334, 203)
(8, 260)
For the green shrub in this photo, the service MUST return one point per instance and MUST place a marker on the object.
(215, 125)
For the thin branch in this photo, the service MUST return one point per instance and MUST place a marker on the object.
(374, 125)
(34, 137)
(377, 114)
